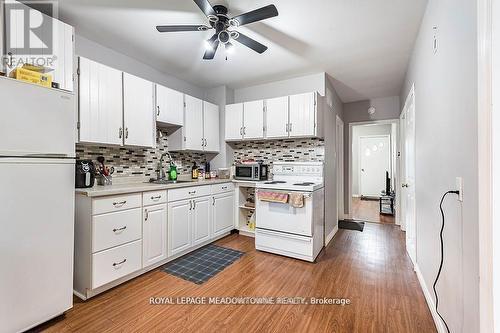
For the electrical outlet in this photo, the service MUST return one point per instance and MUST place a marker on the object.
(460, 188)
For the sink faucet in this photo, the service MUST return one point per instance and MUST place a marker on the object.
(161, 172)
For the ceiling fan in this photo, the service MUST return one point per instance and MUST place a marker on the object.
(222, 23)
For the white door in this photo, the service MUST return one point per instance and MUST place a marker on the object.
(138, 111)
(253, 120)
(193, 123)
(222, 213)
(100, 103)
(340, 167)
(302, 115)
(277, 117)
(211, 126)
(374, 162)
(234, 121)
(408, 209)
(179, 226)
(154, 234)
(169, 106)
(201, 220)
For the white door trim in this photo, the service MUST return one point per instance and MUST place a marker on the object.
(488, 163)
(340, 168)
(359, 157)
(349, 169)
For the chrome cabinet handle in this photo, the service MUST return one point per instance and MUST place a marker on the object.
(192, 192)
(156, 198)
(158, 110)
(126, 132)
(241, 130)
(286, 128)
(290, 127)
(147, 215)
(120, 133)
(194, 205)
(213, 201)
(119, 204)
(244, 130)
(120, 229)
(224, 187)
(119, 263)
(190, 205)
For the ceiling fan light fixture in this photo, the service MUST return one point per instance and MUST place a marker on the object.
(229, 47)
(234, 23)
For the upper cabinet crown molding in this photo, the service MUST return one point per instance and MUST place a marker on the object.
(295, 116)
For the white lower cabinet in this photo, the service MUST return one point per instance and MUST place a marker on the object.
(154, 235)
(179, 220)
(201, 220)
(223, 213)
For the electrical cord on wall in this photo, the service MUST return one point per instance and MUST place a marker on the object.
(442, 256)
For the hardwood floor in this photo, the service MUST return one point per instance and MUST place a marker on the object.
(368, 210)
(370, 268)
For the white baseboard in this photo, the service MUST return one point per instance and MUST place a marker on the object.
(331, 235)
(430, 301)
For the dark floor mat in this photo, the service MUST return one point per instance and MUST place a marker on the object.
(201, 265)
(352, 225)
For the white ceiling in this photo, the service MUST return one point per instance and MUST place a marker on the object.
(364, 44)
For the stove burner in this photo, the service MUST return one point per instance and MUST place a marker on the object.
(275, 182)
(304, 184)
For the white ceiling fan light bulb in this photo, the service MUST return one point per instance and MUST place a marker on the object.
(371, 110)
(229, 48)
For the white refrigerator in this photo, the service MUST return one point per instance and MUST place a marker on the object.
(37, 161)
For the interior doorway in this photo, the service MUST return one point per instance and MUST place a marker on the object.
(373, 171)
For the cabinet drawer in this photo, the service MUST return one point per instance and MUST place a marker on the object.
(115, 263)
(154, 198)
(221, 188)
(117, 228)
(116, 203)
(188, 192)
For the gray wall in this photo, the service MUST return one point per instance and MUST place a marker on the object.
(97, 52)
(446, 147)
(357, 131)
(387, 108)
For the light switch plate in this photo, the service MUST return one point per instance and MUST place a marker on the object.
(460, 188)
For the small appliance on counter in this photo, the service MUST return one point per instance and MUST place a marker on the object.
(255, 171)
(84, 174)
(224, 173)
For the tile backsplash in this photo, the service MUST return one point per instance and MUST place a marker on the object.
(287, 150)
(139, 162)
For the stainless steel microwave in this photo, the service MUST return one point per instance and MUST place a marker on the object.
(252, 171)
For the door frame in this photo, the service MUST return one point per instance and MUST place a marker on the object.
(359, 156)
(340, 167)
(349, 170)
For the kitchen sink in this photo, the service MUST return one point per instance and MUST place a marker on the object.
(166, 182)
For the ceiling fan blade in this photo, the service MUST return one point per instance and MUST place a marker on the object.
(214, 43)
(251, 43)
(178, 28)
(256, 15)
(206, 7)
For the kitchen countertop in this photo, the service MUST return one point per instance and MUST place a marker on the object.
(99, 191)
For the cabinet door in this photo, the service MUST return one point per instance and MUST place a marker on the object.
(193, 124)
(138, 116)
(277, 117)
(253, 116)
(169, 106)
(62, 54)
(303, 115)
(201, 220)
(100, 103)
(179, 226)
(222, 213)
(234, 122)
(154, 235)
(211, 126)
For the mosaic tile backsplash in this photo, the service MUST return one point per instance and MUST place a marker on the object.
(288, 150)
(139, 162)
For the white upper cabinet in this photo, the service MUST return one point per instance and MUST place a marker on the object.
(253, 120)
(303, 115)
(211, 127)
(138, 115)
(193, 125)
(100, 103)
(277, 118)
(234, 122)
(169, 106)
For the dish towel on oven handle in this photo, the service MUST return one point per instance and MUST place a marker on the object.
(272, 196)
(296, 200)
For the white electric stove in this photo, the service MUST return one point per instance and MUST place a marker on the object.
(287, 230)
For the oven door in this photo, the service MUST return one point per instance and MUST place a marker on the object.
(245, 172)
(283, 217)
